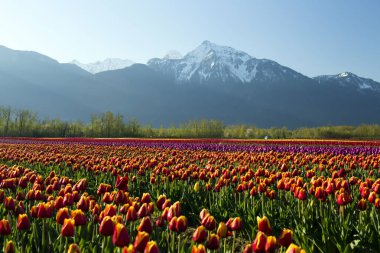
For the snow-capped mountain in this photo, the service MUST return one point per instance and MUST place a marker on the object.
(212, 62)
(106, 65)
(348, 79)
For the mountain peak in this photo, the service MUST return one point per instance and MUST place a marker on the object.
(173, 55)
(349, 79)
(105, 65)
(221, 64)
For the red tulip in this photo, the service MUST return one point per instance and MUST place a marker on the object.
(106, 226)
(120, 236)
(259, 243)
(200, 234)
(5, 227)
(151, 247)
(263, 225)
(285, 238)
(145, 225)
(213, 242)
(209, 222)
(131, 214)
(237, 224)
(23, 222)
(362, 204)
(181, 225)
(141, 240)
(9, 247)
(62, 214)
(79, 217)
(270, 245)
(68, 228)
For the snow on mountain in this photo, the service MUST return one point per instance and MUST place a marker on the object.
(107, 64)
(173, 54)
(348, 79)
(210, 61)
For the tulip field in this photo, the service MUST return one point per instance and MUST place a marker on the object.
(166, 195)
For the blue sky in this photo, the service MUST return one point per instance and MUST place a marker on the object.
(311, 36)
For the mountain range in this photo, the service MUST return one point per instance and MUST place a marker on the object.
(211, 81)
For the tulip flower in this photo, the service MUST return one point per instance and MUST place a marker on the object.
(131, 214)
(173, 224)
(222, 230)
(200, 234)
(120, 236)
(122, 183)
(160, 201)
(160, 221)
(151, 247)
(9, 247)
(145, 225)
(45, 210)
(264, 225)
(209, 222)
(248, 248)
(110, 210)
(83, 203)
(68, 228)
(130, 249)
(146, 198)
(198, 249)
(270, 245)
(106, 226)
(181, 225)
(203, 213)
(362, 205)
(285, 238)
(5, 227)
(294, 249)
(213, 242)
(62, 214)
(141, 240)
(143, 211)
(23, 222)
(74, 248)
(196, 187)
(9, 203)
(79, 217)
(236, 224)
(259, 243)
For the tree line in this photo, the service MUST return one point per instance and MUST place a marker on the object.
(25, 123)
